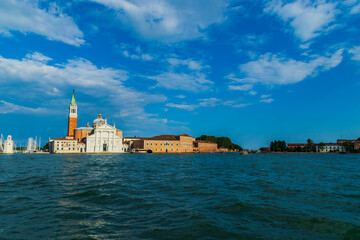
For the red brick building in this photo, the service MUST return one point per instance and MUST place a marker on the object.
(205, 146)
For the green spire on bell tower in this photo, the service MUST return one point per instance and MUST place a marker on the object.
(73, 101)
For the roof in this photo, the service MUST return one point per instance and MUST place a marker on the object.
(165, 137)
(135, 138)
(62, 138)
(84, 128)
(160, 137)
(347, 140)
(73, 101)
(202, 141)
(330, 144)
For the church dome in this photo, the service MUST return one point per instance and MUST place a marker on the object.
(98, 121)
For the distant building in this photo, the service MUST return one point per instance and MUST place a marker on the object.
(100, 138)
(205, 146)
(355, 142)
(72, 119)
(223, 149)
(165, 144)
(66, 145)
(330, 147)
(342, 141)
(82, 132)
(104, 138)
(9, 145)
(297, 145)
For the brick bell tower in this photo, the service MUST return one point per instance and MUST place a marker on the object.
(72, 123)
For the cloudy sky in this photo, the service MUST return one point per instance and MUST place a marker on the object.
(251, 70)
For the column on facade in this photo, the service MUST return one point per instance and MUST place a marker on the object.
(114, 133)
(100, 141)
(108, 140)
(95, 143)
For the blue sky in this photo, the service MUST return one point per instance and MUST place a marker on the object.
(251, 70)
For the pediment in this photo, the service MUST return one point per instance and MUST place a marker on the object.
(106, 126)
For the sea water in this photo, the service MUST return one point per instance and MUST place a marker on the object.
(182, 196)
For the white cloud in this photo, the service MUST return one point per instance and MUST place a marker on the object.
(182, 81)
(208, 102)
(6, 107)
(267, 100)
(26, 17)
(308, 18)
(355, 9)
(354, 6)
(168, 20)
(244, 87)
(187, 107)
(185, 75)
(241, 105)
(355, 52)
(135, 53)
(275, 69)
(35, 78)
(181, 96)
(38, 57)
(265, 96)
(189, 63)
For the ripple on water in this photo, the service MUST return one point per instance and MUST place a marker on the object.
(329, 226)
(200, 196)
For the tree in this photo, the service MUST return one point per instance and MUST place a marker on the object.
(277, 146)
(46, 147)
(349, 146)
(221, 142)
(321, 146)
(310, 144)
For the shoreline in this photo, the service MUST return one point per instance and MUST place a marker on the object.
(306, 153)
(116, 153)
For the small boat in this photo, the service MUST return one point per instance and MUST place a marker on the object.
(244, 153)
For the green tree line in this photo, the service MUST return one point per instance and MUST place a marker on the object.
(278, 146)
(221, 142)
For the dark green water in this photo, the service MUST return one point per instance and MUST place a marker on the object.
(198, 196)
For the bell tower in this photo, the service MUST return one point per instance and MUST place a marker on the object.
(72, 123)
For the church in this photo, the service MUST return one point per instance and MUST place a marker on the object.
(99, 138)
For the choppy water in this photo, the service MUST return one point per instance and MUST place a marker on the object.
(199, 196)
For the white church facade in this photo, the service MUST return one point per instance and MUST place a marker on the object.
(100, 138)
(104, 138)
